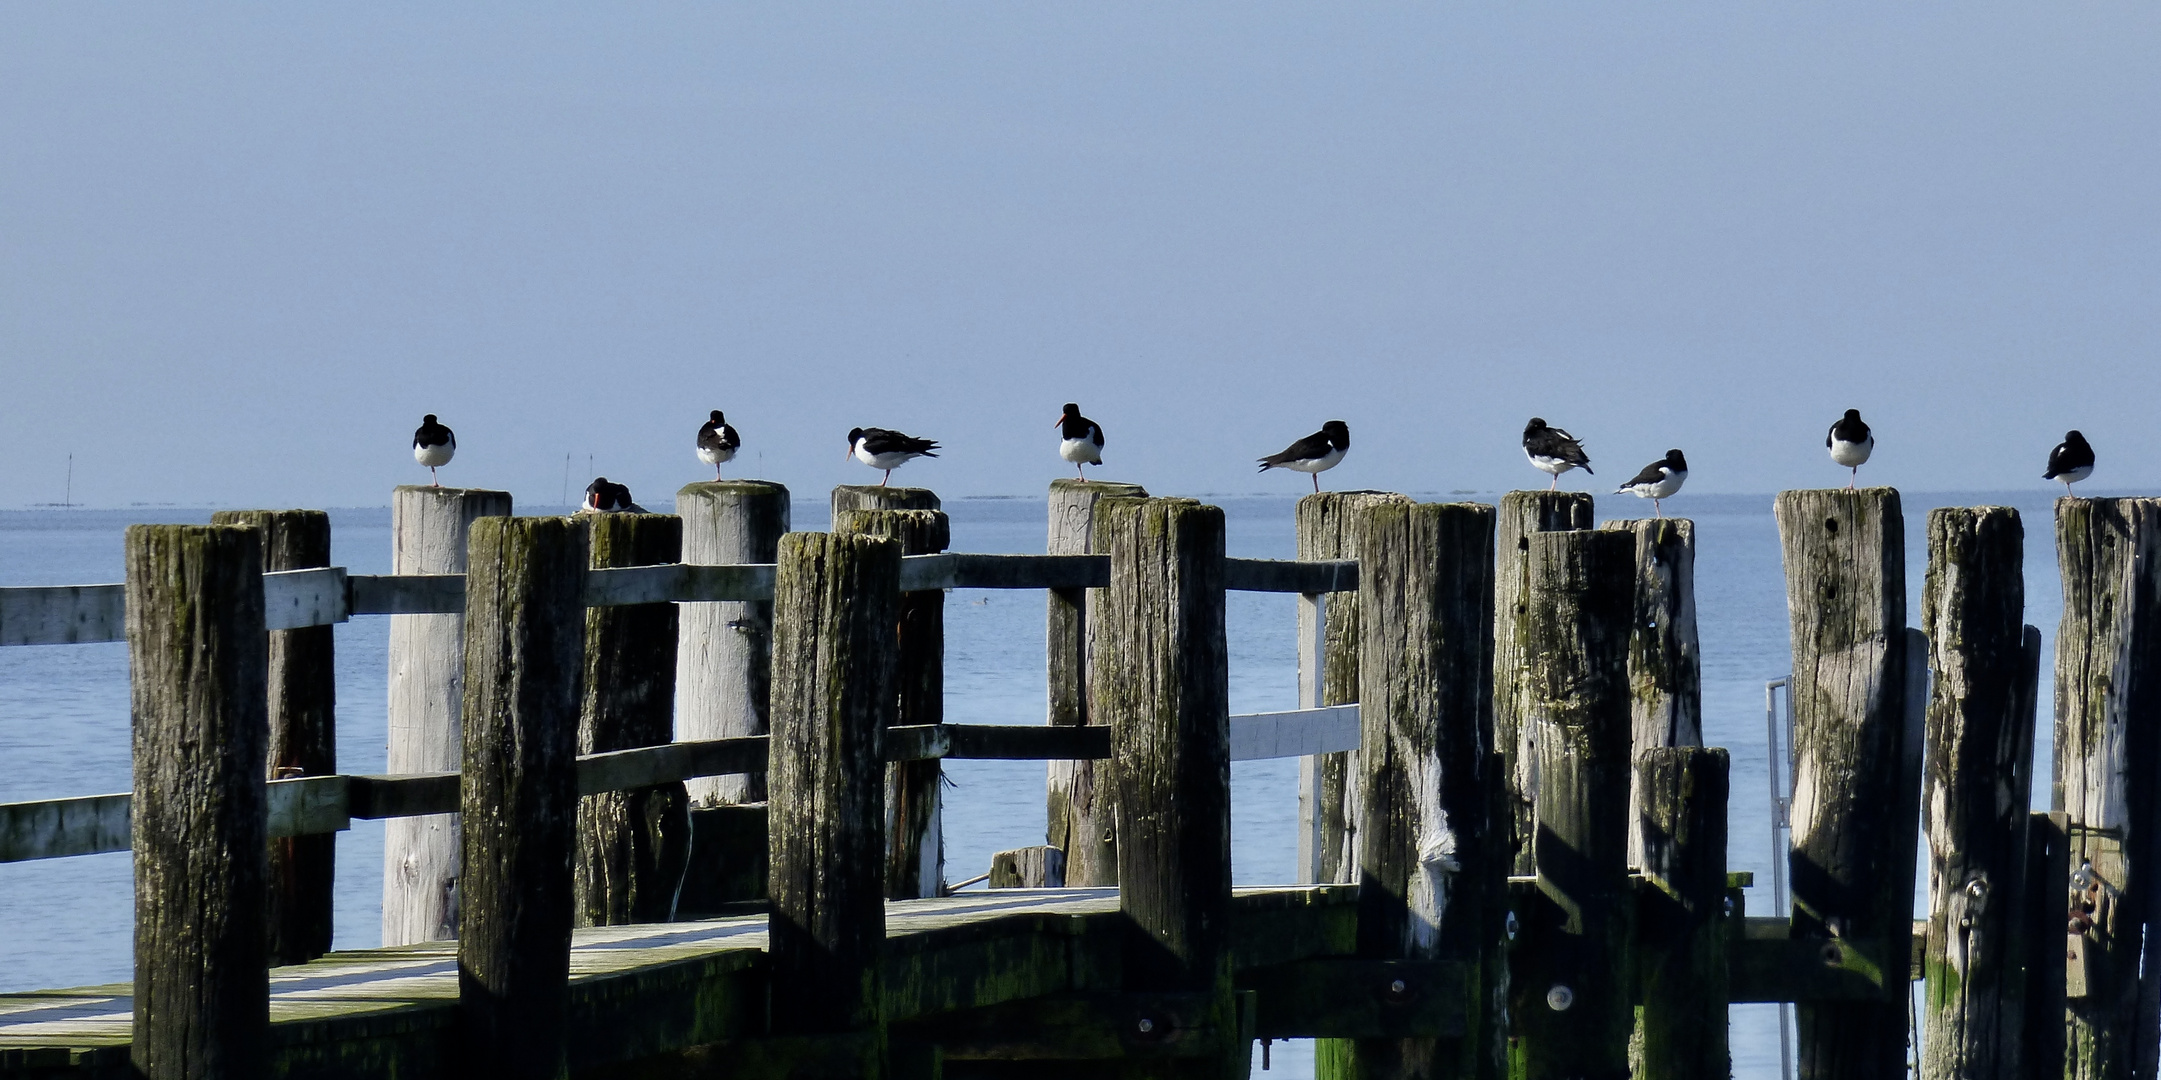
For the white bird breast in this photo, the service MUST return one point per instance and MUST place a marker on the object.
(1552, 465)
(2073, 476)
(718, 455)
(1852, 454)
(434, 456)
(892, 460)
(1665, 488)
(1322, 463)
(1081, 450)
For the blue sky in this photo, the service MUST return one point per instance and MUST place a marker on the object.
(242, 249)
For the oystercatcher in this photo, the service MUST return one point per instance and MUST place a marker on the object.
(604, 497)
(888, 450)
(2071, 461)
(1316, 453)
(1553, 451)
(717, 443)
(1850, 444)
(433, 446)
(1082, 439)
(1658, 480)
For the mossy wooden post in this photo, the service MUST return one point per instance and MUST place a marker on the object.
(1680, 914)
(518, 793)
(1159, 674)
(724, 651)
(2108, 755)
(1429, 862)
(1330, 526)
(2048, 872)
(1522, 514)
(1078, 810)
(1979, 778)
(303, 736)
(1856, 783)
(1665, 671)
(915, 836)
(631, 844)
(836, 687)
(1570, 996)
(197, 667)
(428, 527)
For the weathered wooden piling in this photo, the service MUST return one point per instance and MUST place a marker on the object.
(836, 664)
(1429, 864)
(1571, 996)
(1079, 816)
(1681, 922)
(631, 844)
(428, 527)
(197, 667)
(1856, 784)
(2048, 872)
(518, 792)
(2108, 755)
(724, 651)
(1665, 670)
(1522, 514)
(915, 836)
(303, 736)
(1159, 674)
(1331, 525)
(1979, 777)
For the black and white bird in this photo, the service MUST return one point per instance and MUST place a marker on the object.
(605, 497)
(1553, 451)
(1081, 439)
(2071, 461)
(888, 450)
(433, 446)
(717, 443)
(1658, 481)
(1850, 444)
(1316, 453)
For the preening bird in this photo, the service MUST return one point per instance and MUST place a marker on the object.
(1553, 451)
(433, 446)
(888, 450)
(1081, 439)
(1658, 481)
(2071, 461)
(717, 443)
(1316, 453)
(1850, 444)
(604, 497)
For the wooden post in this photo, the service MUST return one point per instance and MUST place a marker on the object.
(303, 736)
(1571, 997)
(198, 676)
(1680, 914)
(724, 653)
(2048, 872)
(835, 688)
(1331, 525)
(1522, 514)
(1979, 786)
(2108, 754)
(1080, 822)
(1664, 668)
(631, 844)
(1855, 790)
(524, 658)
(1159, 674)
(1429, 865)
(915, 838)
(428, 527)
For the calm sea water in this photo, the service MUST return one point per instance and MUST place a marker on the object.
(64, 709)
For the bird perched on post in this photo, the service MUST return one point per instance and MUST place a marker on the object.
(717, 443)
(604, 497)
(1553, 451)
(1850, 444)
(433, 446)
(1081, 439)
(1315, 454)
(2071, 461)
(1658, 481)
(888, 450)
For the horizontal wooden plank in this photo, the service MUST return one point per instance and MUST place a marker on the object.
(406, 594)
(996, 742)
(1259, 736)
(56, 828)
(297, 598)
(309, 805)
(644, 766)
(1343, 998)
(402, 796)
(1769, 965)
(1290, 575)
(63, 615)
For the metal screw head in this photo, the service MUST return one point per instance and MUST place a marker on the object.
(1729, 905)
(1398, 987)
(1512, 926)
(1146, 1025)
(1560, 998)
(1977, 888)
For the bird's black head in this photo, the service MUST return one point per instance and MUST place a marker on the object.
(2074, 438)
(1339, 434)
(854, 434)
(1674, 460)
(1072, 409)
(716, 417)
(428, 419)
(1536, 425)
(1852, 414)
